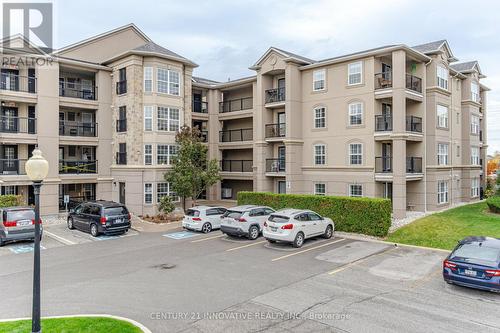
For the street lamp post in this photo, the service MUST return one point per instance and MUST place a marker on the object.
(37, 169)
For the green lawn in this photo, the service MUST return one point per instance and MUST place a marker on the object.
(72, 325)
(443, 230)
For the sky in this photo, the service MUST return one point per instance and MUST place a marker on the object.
(226, 37)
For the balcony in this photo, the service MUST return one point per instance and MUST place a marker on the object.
(71, 128)
(414, 165)
(77, 167)
(12, 167)
(200, 107)
(77, 90)
(276, 130)
(242, 134)
(383, 123)
(236, 165)
(413, 124)
(413, 83)
(204, 136)
(14, 82)
(121, 87)
(121, 125)
(383, 80)
(121, 158)
(383, 164)
(17, 125)
(275, 95)
(275, 165)
(236, 105)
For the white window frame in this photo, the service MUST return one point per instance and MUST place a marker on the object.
(475, 187)
(442, 192)
(148, 193)
(148, 118)
(174, 122)
(148, 79)
(474, 92)
(474, 124)
(166, 152)
(356, 154)
(319, 80)
(167, 119)
(475, 156)
(168, 81)
(442, 113)
(319, 154)
(442, 76)
(9, 190)
(148, 154)
(162, 80)
(356, 112)
(355, 190)
(355, 69)
(442, 153)
(319, 189)
(174, 86)
(320, 117)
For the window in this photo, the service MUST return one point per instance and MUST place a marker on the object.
(174, 123)
(174, 82)
(320, 154)
(474, 190)
(148, 118)
(71, 151)
(355, 190)
(319, 80)
(355, 71)
(148, 193)
(474, 124)
(162, 80)
(320, 117)
(356, 154)
(148, 154)
(474, 156)
(356, 113)
(161, 191)
(442, 192)
(474, 91)
(168, 81)
(165, 154)
(168, 119)
(148, 79)
(9, 190)
(442, 154)
(442, 77)
(320, 188)
(162, 119)
(442, 116)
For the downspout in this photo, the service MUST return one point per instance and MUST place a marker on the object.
(425, 141)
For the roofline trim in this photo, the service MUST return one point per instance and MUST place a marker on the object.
(287, 57)
(229, 84)
(153, 54)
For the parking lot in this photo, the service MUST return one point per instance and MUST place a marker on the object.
(188, 281)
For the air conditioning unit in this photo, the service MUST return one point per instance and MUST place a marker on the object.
(226, 193)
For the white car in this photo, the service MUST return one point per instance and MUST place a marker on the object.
(247, 220)
(203, 218)
(294, 226)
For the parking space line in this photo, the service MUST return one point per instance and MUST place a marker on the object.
(309, 249)
(207, 238)
(244, 246)
(359, 261)
(59, 238)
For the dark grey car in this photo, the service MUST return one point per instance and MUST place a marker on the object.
(17, 223)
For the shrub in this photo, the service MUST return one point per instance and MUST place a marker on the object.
(9, 200)
(494, 204)
(166, 205)
(369, 216)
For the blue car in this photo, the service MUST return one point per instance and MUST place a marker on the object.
(474, 263)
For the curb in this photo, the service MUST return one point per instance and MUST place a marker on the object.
(131, 321)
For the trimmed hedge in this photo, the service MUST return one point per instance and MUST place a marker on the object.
(9, 200)
(369, 216)
(494, 204)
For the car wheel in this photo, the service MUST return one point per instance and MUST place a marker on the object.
(328, 232)
(253, 233)
(93, 230)
(206, 228)
(71, 226)
(299, 240)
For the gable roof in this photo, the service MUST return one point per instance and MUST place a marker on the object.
(28, 48)
(468, 67)
(288, 56)
(435, 47)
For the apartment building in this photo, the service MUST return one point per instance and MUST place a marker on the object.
(405, 123)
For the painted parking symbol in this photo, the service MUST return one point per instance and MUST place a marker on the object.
(18, 249)
(181, 235)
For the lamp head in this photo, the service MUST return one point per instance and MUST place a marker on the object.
(37, 166)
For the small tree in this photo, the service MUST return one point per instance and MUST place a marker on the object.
(191, 171)
(166, 205)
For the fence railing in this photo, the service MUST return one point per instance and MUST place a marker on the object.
(275, 95)
(14, 82)
(242, 134)
(200, 107)
(414, 165)
(275, 165)
(383, 164)
(383, 80)
(12, 167)
(68, 167)
(236, 105)
(276, 130)
(383, 123)
(236, 165)
(121, 125)
(413, 83)
(413, 124)
(77, 90)
(17, 125)
(68, 128)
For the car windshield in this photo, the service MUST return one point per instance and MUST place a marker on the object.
(278, 219)
(17, 215)
(193, 212)
(481, 254)
(112, 211)
(233, 214)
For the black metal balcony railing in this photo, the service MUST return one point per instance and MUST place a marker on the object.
(276, 130)
(200, 107)
(236, 165)
(383, 164)
(77, 90)
(68, 167)
(242, 134)
(121, 87)
(275, 165)
(77, 129)
(481, 136)
(414, 165)
(121, 158)
(413, 124)
(17, 125)
(275, 95)
(12, 167)
(413, 83)
(383, 80)
(75, 201)
(383, 123)
(236, 105)
(121, 125)
(14, 82)
(204, 136)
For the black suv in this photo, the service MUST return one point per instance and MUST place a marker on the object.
(100, 217)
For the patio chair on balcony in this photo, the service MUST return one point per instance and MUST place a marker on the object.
(384, 82)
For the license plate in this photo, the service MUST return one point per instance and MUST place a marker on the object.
(23, 223)
(274, 229)
(118, 221)
(470, 272)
